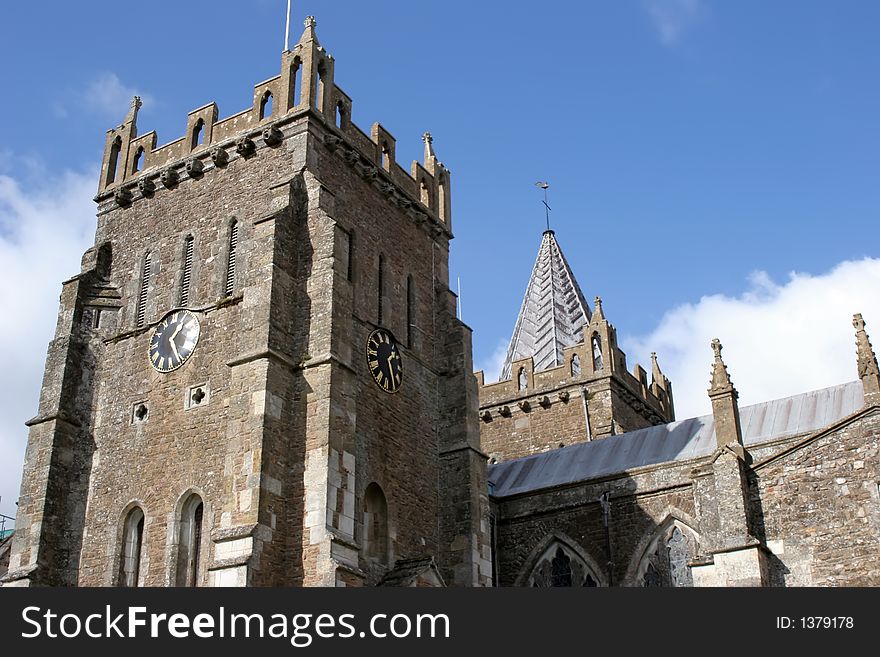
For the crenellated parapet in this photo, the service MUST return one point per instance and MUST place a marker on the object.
(591, 395)
(134, 167)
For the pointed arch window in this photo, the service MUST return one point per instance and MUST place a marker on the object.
(132, 543)
(186, 279)
(231, 259)
(386, 156)
(560, 566)
(113, 161)
(665, 562)
(598, 361)
(138, 163)
(198, 134)
(381, 288)
(441, 201)
(522, 379)
(340, 114)
(295, 82)
(375, 524)
(322, 87)
(146, 270)
(410, 309)
(189, 541)
(425, 194)
(266, 105)
(575, 365)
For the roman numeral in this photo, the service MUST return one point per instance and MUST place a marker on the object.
(374, 365)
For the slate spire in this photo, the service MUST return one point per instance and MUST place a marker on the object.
(553, 312)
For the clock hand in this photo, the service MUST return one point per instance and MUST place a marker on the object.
(171, 341)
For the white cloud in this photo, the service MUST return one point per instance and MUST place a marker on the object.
(43, 231)
(672, 18)
(106, 95)
(491, 365)
(779, 340)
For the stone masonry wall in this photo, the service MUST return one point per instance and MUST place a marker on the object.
(641, 505)
(818, 508)
(214, 448)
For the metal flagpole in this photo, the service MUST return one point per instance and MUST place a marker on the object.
(287, 29)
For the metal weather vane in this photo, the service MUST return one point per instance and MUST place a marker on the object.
(545, 185)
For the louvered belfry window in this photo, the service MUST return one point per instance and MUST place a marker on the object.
(145, 284)
(188, 246)
(410, 303)
(380, 285)
(231, 260)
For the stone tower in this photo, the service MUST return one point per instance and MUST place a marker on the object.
(565, 379)
(211, 413)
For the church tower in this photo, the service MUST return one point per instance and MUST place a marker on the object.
(565, 379)
(258, 378)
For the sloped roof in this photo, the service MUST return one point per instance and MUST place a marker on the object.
(553, 312)
(677, 441)
(406, 571)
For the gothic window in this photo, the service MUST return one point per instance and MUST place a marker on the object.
(441, 200)
(652, 577)
(145, 286)
(560, 569)
(575, 365)
(522, 379)
(266, 105)
(189, 541)
(295, 82)
(410, 309)
(231, 259)
(560, 566)
(138, 160)
(347, 248)
(598, 362)
(132, 541)
(319, 97)
(666, 562)
(425, 194)
(375, 524)
(340, 114)
(386, 156)
(198, 134)
(113, 162)
(188, 247)
(380, 287)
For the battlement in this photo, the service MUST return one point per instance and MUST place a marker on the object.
(543, 384)
(134, 167)
(590, 395)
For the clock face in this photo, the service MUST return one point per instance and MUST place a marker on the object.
(383, 359)
(174, 340)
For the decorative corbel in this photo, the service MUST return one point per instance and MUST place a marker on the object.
(219, 156)
(169, 178)
(245, 147)
(272, 135)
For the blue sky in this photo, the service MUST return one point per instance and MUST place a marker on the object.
(699, 153)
